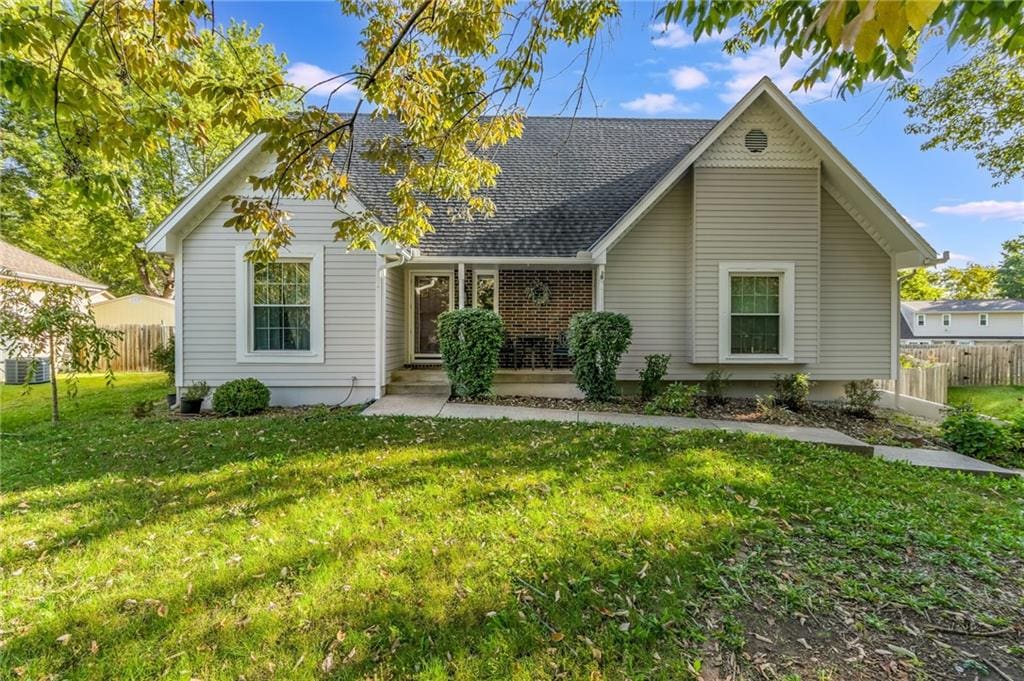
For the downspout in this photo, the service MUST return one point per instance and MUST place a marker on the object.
(404, 256)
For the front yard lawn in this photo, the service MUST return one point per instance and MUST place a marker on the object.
(1001, 401)
(318, 543)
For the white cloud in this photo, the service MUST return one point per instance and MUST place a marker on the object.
(985, 210)
(916, 224)
(307, 76)
(687, 78)
(656, 103)
(672, 35)
(745, 70)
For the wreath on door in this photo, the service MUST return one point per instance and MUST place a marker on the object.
(539, 293)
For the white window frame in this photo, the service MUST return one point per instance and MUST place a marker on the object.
(486, 273)
(921, 320)
(947, 320)
(786, 271)
(244, 352)
(983, 319)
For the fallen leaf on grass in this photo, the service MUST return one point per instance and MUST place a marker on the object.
(63, 640)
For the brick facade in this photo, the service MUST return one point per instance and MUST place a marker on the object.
(572, 291)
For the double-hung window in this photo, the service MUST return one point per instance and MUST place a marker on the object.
(921, 320)
(947, 320)
(756, 312)
(280, 307)
(983, 319)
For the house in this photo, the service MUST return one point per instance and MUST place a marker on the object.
(134, 309)
(747, 243)
(926, 322)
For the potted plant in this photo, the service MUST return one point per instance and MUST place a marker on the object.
(192, 400)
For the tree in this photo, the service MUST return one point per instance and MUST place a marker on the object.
(1010, 273)
(56, 322)
(977, 107)
(57, 214)
(921, 284)
(973, 282)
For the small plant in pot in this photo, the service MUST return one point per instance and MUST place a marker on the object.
(192, 400)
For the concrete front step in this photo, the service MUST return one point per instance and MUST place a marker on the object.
(406, 388)
(501, 376)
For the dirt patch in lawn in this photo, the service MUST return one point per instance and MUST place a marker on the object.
(886, 427)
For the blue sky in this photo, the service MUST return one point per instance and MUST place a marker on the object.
(640, 70)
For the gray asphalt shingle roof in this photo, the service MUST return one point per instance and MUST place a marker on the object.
(562, 185)
(997, 305)
(25, 265)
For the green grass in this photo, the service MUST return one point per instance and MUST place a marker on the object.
(320, 543)
(1001, 401)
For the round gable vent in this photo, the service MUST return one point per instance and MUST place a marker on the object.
(756, 141)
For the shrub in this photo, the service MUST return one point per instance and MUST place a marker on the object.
(197, 391)
(163, 358)
(470, 340)
(241, 397)
(597, 341)
(791, 390)
(768, 408)
(970, 433)
(142, 409)
(675, 399)
(652, 374)
(713, 386)
(862, 396)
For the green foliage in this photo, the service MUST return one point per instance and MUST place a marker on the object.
(1010, 274)
(921, 284)
(856, 42)
(768, 407)
(163, 358)
(976, 107)
(241, 397)
(677, 398)
(862, 396)
(470, 340)
(197, 391)
(56, 322)
(970, 433)
(713, 386)
(792, 390)
(142, 409)
(597, 341)
(973, 282)
(652, 374)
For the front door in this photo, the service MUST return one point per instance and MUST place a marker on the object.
(432, 294)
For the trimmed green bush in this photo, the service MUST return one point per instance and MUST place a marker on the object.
(470, 340)
(970, 433)
(792, 390)
(241, 397)
(652, 374)
(675, 399)
(862, 396)
(163, 358)
(597, 341)
(713, 386)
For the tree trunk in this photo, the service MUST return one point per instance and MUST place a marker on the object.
(55, 413)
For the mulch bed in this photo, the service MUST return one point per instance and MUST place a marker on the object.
(886, 428)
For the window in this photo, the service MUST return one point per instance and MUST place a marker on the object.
(280, 307)
(755, 323)
(947, 320)
(983, 319)
(280, 301)
(485, 289)
(921, 320)
(756, 312)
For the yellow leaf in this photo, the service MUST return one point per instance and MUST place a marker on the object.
(867, 40)
(893, 19)
(834, 25)
(920, 11)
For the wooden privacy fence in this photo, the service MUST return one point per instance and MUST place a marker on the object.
(927, 383)
(975, 364)
(137, 341)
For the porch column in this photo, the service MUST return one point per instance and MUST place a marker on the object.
(462, 285)
(599, 289)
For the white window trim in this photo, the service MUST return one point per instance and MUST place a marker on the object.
(787, 309)
(921, 320)
(947, 320)
(486, 273)
(244, 354)
(983, 319)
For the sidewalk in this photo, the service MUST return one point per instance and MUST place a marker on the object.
(439, 406)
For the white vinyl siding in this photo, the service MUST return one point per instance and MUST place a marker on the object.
(394, 320)
(756, 214)
(207, 296)
(856, 299)
(647, 277)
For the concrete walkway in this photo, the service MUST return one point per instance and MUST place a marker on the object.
(435, 405)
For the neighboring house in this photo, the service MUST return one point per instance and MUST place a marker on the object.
(134, 309)
(925, 322)
(748, 243)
